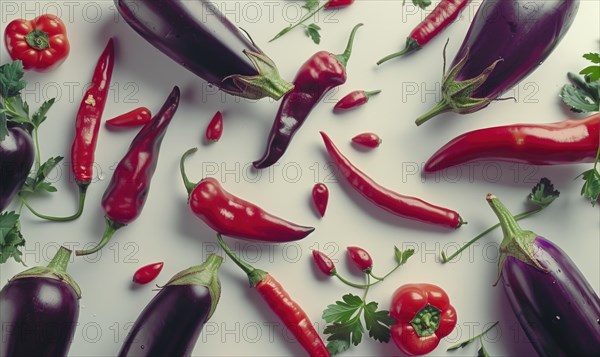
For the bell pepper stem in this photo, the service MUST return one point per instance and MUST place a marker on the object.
(411, 46)
(110, 229)
(189, 186)
(81, 203)
(38, 39)
(345, 57)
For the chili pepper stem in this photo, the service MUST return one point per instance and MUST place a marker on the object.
(518, 217)
(349, 283)
(411, 46)
(345, 57)
(81, 203)
(189, 186)
(302, 20)
(441, 107)
(255, 276)
(109, 231)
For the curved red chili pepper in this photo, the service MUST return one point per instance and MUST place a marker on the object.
(338, 4)
(438, 19)
(395, 203)
(360, 258)
(126, 193)
(569, 141)
(214, 130)
(354, 99)
(136, 117)
(147, 273)
(235, 217)
(321, 73)
(281, 303)
(320, 197)
(370, 140)
(323, 263)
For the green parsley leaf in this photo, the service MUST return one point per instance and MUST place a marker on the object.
(312, 31)
(543, 193)
(11, 239)
(581, 96)
(378, 322)
(591, 187)
(348, 332)
(8, 220)
(342, 310)
(591, 73)
(311, 4)
(482, 352)
(478, 337)
(40, 115)
(423, 4)
(402, 257)
(11, 82)
(37, 182)
(337, 346)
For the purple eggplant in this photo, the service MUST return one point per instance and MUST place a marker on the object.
(200, 38)
(16, 158)
(171, 323)
(555, 305)
(39, 309)
(507, 40)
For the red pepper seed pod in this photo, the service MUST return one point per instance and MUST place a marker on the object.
(215, 128)
(320, 196)
(147, 273)
(353, 100)
(136, 117)
(323, 263)
(360, 258)
(370, 140)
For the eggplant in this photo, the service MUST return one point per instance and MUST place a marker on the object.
(171, 323)
(200, 38)
(39, 309)
(554, 303)
(17, 154)
(507, 40)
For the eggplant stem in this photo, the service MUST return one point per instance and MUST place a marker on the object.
(60, 261)
(441, 107)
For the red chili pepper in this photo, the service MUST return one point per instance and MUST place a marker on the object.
(569, 141)
(321, 73)
(281, 303)
(320, 197)
(235, 217)
(215, 128)
(360, 258)
(147, 273)
(354, 99)
(338, 4)
(136, 117)
(323, 263)
(438, 19)
(370, 140)
(126, 193)
(87, 126)
(41, 44)
(424, 316)
(395, 203)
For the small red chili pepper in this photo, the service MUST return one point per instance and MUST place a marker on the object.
(280, 302)
(370, 140)
(147, 273)
(136, 117)
(323, 263)
(569, 141)
(354, 99)
(128, 189)
(321, 73)
(41, 44)
(360, 258)
(438, 19)
(214, 130)
(395, 203)
(424, 316)
(338, 4)
(320, 197)
(235, 217)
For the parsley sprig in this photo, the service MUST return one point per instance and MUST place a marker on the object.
(482, 352)
(583, 95)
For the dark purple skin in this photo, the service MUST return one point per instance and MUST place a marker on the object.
(200, 38)
(522, 33)
(39, 317)
(558, 309)
(17, 154)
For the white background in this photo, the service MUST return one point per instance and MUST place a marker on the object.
(167, 230)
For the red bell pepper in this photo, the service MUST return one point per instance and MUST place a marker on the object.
(424, 316)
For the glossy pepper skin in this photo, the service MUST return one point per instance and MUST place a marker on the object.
(569, 141)
(323, 262)
(17, 154)
(147, 273)
(321, 73)
(41, 44)
(282, 304)
(424, 316)
(354, 99)
(338, 4)
(361, 258)
(126, 193)
(39, 309)
(369, 140)
(136, 117)
(556, 306)
(435, 22)
(214, 130)
(234, 217)
(320, 198)
(506, 41)
(400, 205)
(172, 322)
